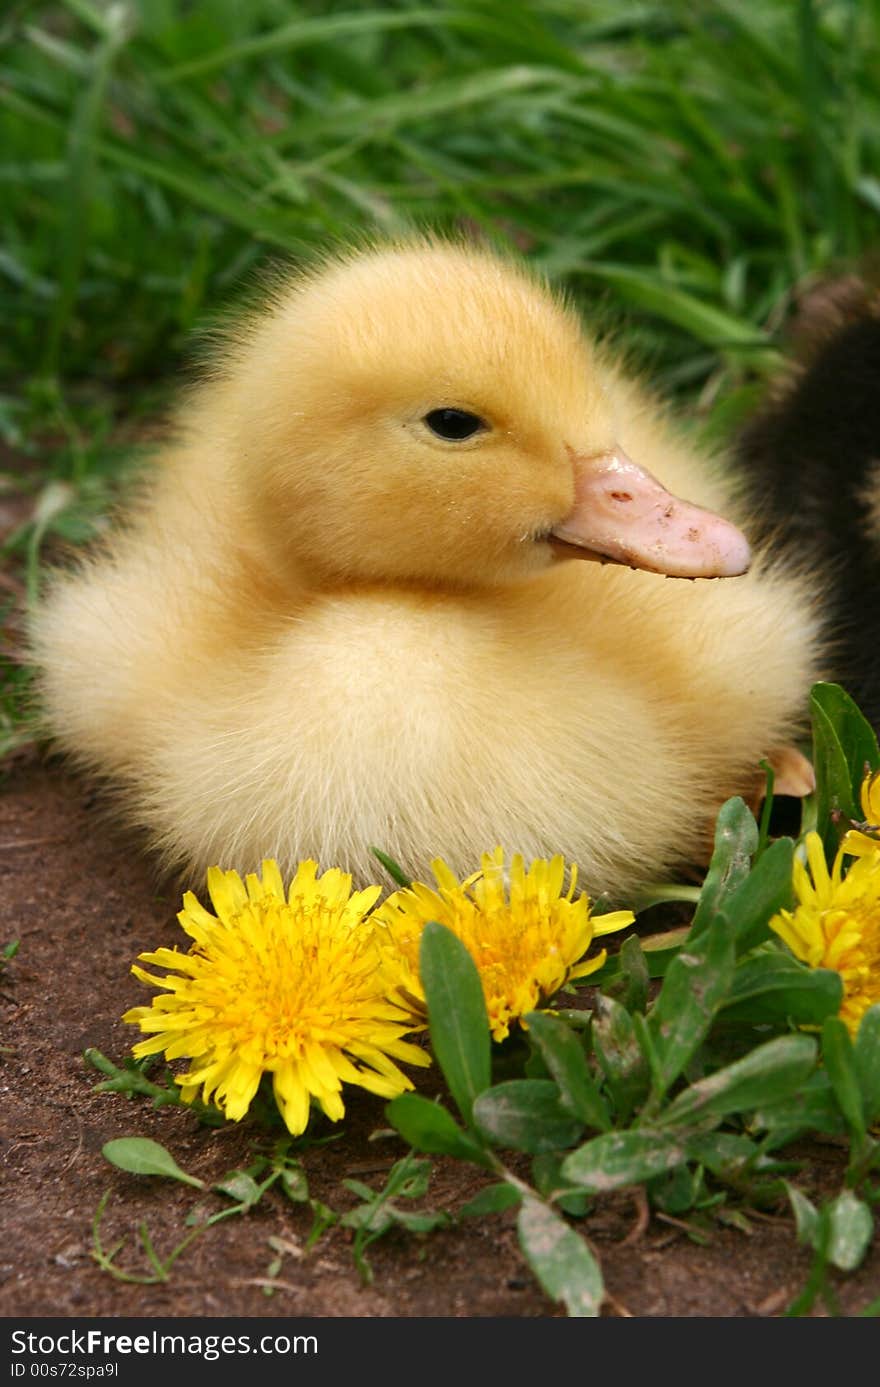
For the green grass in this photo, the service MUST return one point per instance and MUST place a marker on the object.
(680, 167)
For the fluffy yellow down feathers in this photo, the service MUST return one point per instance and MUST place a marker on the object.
(352, 607)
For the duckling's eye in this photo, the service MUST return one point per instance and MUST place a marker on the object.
(454, 424)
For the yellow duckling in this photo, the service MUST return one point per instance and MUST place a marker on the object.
(352, 608)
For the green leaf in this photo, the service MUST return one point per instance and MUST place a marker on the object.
(132, 1078)
(619, 1055)
(812, 1108)
(142, 1156)
(610, 976)
(840, 1066)
(630, 984)
(851, 1230)
(549, 1182)
(456, 1015)
(766, 890)
(394, 869)
(566, 1062)
(853, 731)
(766, 1074)
(494, 1199)
(372, 1216)
(723, 1153)
(695, 987)
(778, 987)
(834, 800)
(377, 1212)
(736, 838)
(295, 1184)
(560, 1259)
(677, 1191)
(241, 1187)
(579, 1020)
(615, 1159)
(806, 1216)
(419, 1222)
(843, 745)
(867, 1060)
(645, 1037)
(526, 1114)
(408, 1177)
(429, 1127)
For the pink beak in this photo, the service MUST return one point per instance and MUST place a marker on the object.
(623, 515)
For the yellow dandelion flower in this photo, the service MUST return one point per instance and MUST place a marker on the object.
(526, 938)
(836, 924)
(288, 984)
(865, 838)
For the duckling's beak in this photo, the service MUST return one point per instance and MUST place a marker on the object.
(623, 515)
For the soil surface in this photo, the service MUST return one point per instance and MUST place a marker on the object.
(84, 902)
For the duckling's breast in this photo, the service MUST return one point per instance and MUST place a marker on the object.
(428, 725)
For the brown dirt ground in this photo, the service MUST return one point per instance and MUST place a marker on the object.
(84, 903)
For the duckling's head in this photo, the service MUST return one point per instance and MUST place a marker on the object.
(430, 413)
